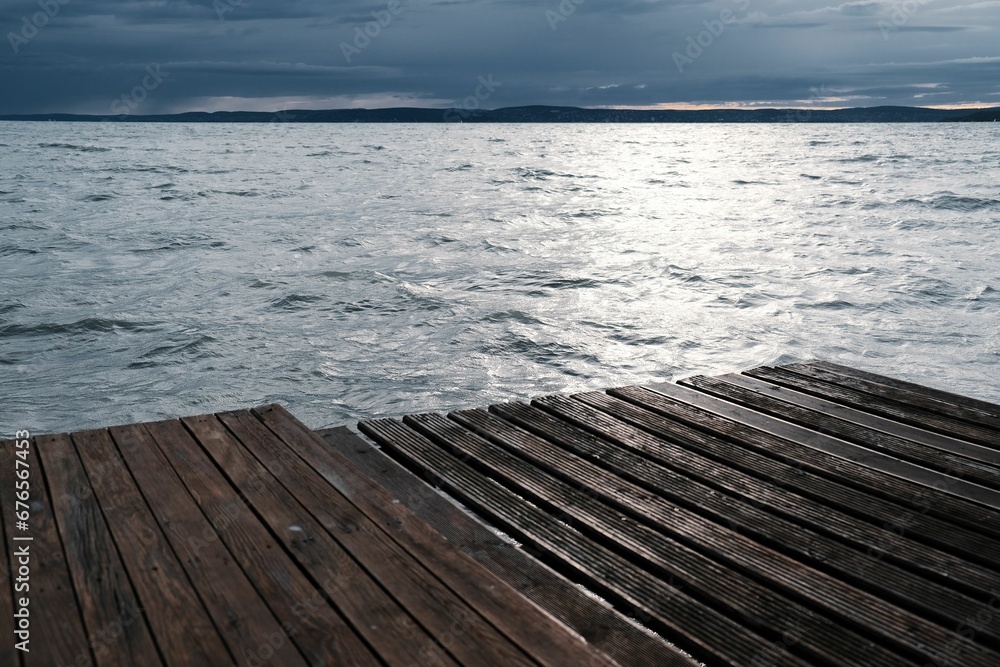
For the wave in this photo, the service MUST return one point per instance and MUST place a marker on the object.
(867, 157)
(949, 201)
(75, 147)
(179, 353)
(87, 325)
(295, 302)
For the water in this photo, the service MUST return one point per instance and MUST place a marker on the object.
(354, 271)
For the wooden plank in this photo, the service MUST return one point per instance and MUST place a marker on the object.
(729, 419)
(909, 398)
(904, 588)
(535, 631)
(384, 624)
(944, 462)
(801, 479)
(57, 634)
(909, 388)
(117, 630)
(707, 634)
(320, 633)
(596, 621)
(868, 420)
(239, 612)
(163, 589)
(453, 623)
(685, 544)
(8, 654)
(686, 406)
(860, 400)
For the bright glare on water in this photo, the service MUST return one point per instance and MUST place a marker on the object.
(353, 271)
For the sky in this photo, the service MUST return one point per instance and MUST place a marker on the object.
(167, 56)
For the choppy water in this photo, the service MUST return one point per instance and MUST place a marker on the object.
(352, 271)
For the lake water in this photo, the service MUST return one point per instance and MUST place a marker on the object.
(353, 271)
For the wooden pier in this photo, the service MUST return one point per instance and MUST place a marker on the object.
(808, 514)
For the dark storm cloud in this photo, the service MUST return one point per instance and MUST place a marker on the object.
(83, 55)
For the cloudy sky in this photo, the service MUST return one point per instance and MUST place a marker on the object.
(165, 56)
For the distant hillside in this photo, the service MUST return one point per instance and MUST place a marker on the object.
(982, 116)
(547, 114)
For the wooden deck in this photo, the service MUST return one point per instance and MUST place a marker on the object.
(806, 514)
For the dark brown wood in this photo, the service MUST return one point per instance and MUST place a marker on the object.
(116, 624)
(237, 609)
(920, 400)
(806, 514)
(685, 544)
(907, 589)
(829, 481)
(868, 420)
(730, 420)
(57, 633)
(320, 633)
(947, 425)
(946, 463)
(598, 623)
(159, 580)
(534, 631)
(453, 623)
(910, 388)
(374, 614)
(867, 522)
(708, 634)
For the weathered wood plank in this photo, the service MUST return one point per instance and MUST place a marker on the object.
(920, 400)
(690, 547)
(944, 462)
(8, 571)
(239, 612)
(730, 420)
(374, 613)
(453, 623)
(536, 632)
(904, 588)
(116, 625)
(796, 476)
(866, 419)
(705, 632)
(58, 636)
(165, 593)
(907, 388)
(320, 633)
(597, 622)
(860, 400)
